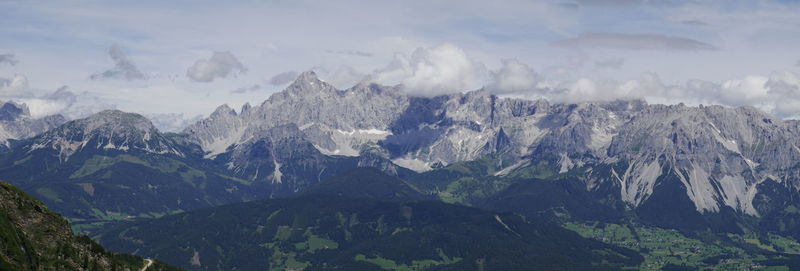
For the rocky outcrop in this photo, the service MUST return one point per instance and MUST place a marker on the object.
(34, 238)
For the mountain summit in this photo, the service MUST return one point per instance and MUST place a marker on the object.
(106, 130)
(308, 81)
(117, 122)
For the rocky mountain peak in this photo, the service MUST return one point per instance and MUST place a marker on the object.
(309, 82)
(246, 107)
(307, 76)
(223, 110)
(106, 130)
(117, 121)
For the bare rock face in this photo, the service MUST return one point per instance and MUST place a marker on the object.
(16, 123)
(219, 131)
(720, 155)
(336, 120)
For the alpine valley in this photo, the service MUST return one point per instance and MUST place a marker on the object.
(372, 178)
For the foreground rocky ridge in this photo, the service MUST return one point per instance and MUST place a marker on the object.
(34, 238)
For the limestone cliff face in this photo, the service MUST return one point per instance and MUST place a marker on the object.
(719, 154)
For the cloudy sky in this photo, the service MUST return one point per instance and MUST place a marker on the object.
(179, 60)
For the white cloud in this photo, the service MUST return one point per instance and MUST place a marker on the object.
(744, 91)
(785, 88)
(220, 65)
(350, 53)
(14, 87)
(609, 2)
(586, 90)
(610, 63)
(44, 107)
(513, 76)
(43, 103)
(86, 105)
(446, 69)
(53, 103)
(9, 59)
(433, 71)
(777, 94)
(172, 122)
(241, 90)
(757, 38)
(124, 68)
(633, 42)
(342, 77)
(283, 78)
(18, 89)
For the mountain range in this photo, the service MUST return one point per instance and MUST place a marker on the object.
(707, 159)
(695, 169)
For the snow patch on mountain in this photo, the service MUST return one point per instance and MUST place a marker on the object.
(218, 145)
(366, 132)
(412, 164)
(729, 144)
(565, 163)
(277, 174)
(348, 143)
(600, 138)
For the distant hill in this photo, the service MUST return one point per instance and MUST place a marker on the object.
(368, 182)
(317, 231)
